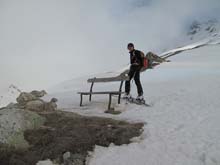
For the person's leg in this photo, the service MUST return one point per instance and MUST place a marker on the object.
(138, 82)
(127, 87)
(128, 82)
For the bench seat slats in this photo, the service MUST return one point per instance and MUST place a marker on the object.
(105, 92)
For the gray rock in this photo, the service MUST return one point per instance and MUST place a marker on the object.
(38, 94)
(45, 162)
(13, 123)
(35, 105)
(40, 106)
(66, 157)
(73, 159)
(51, 106)
(54, 100)
(25, 97)
(31, 101)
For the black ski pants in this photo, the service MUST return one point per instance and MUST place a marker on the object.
(134, 73)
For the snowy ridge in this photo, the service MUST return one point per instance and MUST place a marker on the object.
(201, 30)
(198, 35)
(213, 40)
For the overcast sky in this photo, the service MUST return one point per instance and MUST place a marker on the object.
(44, 42)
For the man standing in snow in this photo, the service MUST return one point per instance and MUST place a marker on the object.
(136, 60)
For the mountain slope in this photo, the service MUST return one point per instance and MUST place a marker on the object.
(181, 127)
(201, 30)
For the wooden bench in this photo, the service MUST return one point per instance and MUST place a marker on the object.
(110, 93)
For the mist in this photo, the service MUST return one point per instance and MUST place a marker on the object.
(45, 42)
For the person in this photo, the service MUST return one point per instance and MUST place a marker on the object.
(136, 61)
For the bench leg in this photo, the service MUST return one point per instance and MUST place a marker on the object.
(110, 101)
(81, 99)
(120, 89)
(119, 98)
(90, 96)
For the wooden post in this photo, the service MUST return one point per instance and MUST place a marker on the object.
(90, 96)
(110, 101)
(120, 89)
(81, 99)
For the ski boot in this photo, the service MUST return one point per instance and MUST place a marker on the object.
(140, 99)
(127, 97)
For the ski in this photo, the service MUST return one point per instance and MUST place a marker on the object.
(132, 100)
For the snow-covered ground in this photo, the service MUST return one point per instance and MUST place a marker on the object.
(182, 126)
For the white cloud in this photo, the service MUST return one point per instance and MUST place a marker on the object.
(44, 42)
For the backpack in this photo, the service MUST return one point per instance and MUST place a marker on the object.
(145, 61)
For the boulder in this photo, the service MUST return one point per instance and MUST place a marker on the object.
(51, 106)
(25, 97)
(38, 94)
(13, 123)
(35, 105)
(40, 105)
(73, 159)
(31, 101)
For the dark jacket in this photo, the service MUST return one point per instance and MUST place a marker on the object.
(136, 57)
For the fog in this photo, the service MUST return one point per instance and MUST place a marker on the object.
(44, 42)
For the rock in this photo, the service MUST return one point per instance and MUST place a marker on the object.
(154, 58)
(13, 123)
(38, 94)
(40, 105)
(31, 101)
(25, 97)
(36, 105)
(77, 159)
(73, 159)
(45, 162)
(66, 157)
(54, 100)
(51, 106)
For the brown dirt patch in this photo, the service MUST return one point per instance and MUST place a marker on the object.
(64, 132)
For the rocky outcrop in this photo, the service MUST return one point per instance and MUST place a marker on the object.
(41, 106)
(73, 159)
(35, 105)
(66, 138)
(29, 135)
(23, 115)
(38, 94)
(32, 101)
(24, 97)
(13, 123)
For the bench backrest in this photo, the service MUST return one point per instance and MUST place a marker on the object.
(109, 79)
